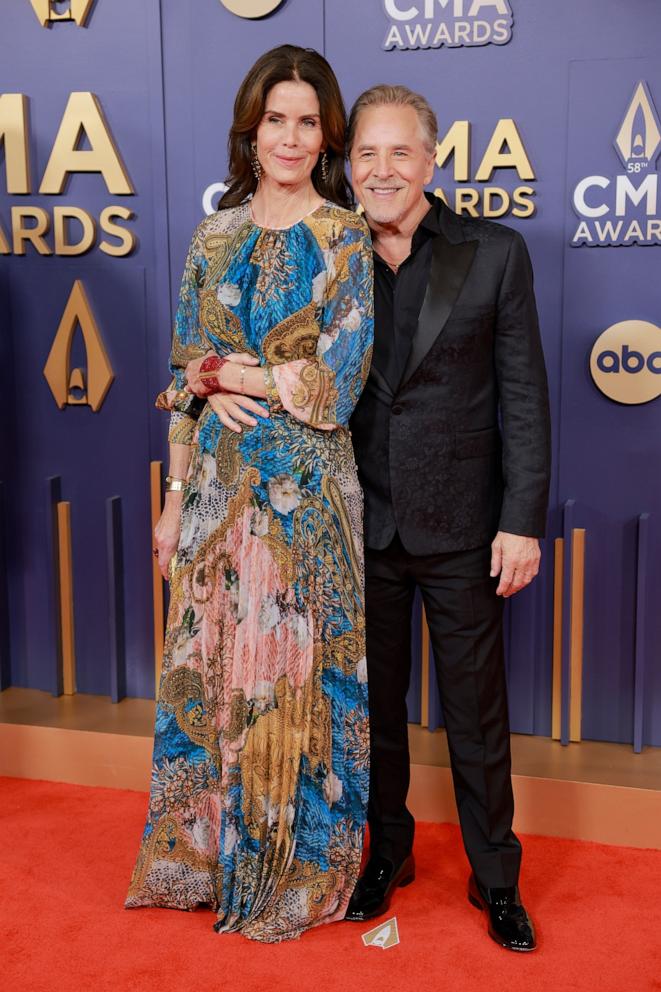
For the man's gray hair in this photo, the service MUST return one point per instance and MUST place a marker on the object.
(399, 96)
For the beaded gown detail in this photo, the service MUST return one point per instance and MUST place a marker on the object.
(261, 756)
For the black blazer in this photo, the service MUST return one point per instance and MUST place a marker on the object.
(462, 448)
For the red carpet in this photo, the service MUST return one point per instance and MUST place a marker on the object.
(67, 852)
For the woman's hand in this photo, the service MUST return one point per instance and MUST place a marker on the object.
(232, 410)
(167, 531)
(192, 374)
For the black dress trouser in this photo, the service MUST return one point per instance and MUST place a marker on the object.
(464, 616)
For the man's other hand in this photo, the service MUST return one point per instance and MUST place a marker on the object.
(234, 409)
(516, 559)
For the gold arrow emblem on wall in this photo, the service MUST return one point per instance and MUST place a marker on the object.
(49, 11)
(639, 137)
(75, 387)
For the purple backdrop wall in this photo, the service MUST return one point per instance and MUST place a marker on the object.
(166, 75)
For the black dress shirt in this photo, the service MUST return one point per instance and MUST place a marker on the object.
(398, 300)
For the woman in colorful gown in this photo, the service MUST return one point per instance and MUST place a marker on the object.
(260, 769)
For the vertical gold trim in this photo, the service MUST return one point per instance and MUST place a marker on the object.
(556, 706)
(576, 633)
(424, 671)
(66, 598)
(157, 579)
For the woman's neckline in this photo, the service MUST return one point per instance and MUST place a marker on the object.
(287, 227)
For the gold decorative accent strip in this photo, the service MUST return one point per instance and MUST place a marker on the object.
(66, 598)
(155, 471)
(556, 706)
(424, 674)
(576, 633)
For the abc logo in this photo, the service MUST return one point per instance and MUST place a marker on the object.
(626, 362)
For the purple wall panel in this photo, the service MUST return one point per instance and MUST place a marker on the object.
(609, 452)
(167, 90)
(97, 454)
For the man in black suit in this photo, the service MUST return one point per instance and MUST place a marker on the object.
(452, 442)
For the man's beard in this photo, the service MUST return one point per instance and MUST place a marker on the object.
(385, 216)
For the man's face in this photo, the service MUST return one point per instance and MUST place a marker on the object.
(390, 163)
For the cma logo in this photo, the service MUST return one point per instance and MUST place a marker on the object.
(626, 362)
(49, 11)
(635, 202)
(639, 138)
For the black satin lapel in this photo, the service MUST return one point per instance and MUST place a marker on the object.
(379, 380)
(450, 265)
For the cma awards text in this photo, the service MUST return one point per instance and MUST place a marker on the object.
(449, 23)
(53, 232)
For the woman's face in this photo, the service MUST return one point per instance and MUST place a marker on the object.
(289, 137)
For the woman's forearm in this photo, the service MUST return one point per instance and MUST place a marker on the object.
(180, 456)
(249, 382)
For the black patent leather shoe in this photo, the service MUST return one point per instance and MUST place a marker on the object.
(509, 924)
(375, 886)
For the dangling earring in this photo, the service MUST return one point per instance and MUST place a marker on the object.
(324, 166)
(256, 164)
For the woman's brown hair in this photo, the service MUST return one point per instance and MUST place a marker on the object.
(284, 64)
